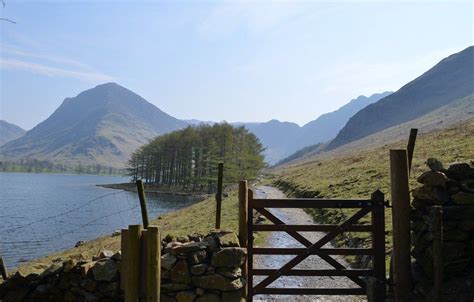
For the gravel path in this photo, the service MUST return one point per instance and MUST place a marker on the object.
(281, 239)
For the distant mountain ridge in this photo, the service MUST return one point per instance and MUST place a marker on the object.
(449, 80)
(282, 139)
(9, 132)
(102, 125)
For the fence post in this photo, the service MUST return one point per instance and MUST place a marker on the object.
(401, 224)
(3, 269)
(220, 175)
(437, 230)
(378, 224)
(143, 264)
(243, 212)
(411, 146)
(123, 263)
(141, 196)
(154, 264)
(133, 264)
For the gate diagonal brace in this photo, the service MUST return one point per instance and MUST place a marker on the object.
(312, 248)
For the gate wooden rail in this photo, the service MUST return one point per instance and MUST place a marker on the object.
(375, 206)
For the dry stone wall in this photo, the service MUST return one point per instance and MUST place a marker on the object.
(193, 268)
(453, 190)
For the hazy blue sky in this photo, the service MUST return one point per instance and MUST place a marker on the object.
(234, 61)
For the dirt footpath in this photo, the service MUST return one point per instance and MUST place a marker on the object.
(281, 239)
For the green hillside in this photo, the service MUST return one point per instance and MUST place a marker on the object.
(449, 80)
(357, 174)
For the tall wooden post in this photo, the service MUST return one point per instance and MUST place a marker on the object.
(132, 288)
(220, 175)
(250, 238)
(143, 264)
(154, 264)
(411, 146)
(401, 224)
(437, 230)
(3, 269)
(141, 196)
(243, 220)
(124, 262)
(378, 239)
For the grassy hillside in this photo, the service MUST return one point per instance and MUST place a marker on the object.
(359, 173)
(9, 132)
(447, 81)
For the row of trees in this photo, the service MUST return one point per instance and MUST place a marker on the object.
(189, 158)
(32, 165)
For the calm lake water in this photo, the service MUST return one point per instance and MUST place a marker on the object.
(43, 213)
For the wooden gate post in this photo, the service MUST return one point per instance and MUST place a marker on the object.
(220, 175)
(378, 239)
(411, 146)
(153, 256)
(132, 288)
(243, 235)
(401, 224)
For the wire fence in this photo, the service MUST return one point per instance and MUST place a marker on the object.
(39, 230)
(93, 218)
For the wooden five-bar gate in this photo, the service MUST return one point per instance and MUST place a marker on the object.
(376, 274)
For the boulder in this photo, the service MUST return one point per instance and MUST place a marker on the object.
(434, 164)
(186, 296)
(229, 272)
(196, 256)
(229, 257)
(460, 171)
(432, 178)
(218, 282)
(228, 239)
(168, 260)
(180, 273)
(189, 247)
(105, 270)
(463, 198)
(199, 269)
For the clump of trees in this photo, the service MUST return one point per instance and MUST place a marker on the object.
(32, 165)
(189, 158)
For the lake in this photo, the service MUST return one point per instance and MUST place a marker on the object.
(44, 213)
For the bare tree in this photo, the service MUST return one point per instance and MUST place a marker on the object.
(5, 19)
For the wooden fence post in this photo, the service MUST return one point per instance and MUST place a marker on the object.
(154, 264)
(132, 288)
(220, 175)
(143, 264)
(411, 146)
(249, 266)
(243, 212)
(141, 196)
(437, 230)
(401, 224)
(123, 263)
(3, 269)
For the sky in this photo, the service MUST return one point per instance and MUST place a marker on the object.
(222, 60)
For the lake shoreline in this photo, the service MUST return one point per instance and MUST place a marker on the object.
(151, 189)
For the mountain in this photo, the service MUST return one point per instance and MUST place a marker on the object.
(102, 125)
(447, 81)
(282, 139)
(328, 125)
(9, 132)
(277, 137)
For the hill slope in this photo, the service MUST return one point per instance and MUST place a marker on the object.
(284, 138)
(328, 125)
(9, 132)
(449, 80)
(102, 125)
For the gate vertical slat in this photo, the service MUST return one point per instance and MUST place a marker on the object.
(378, 241)
(250, 246)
